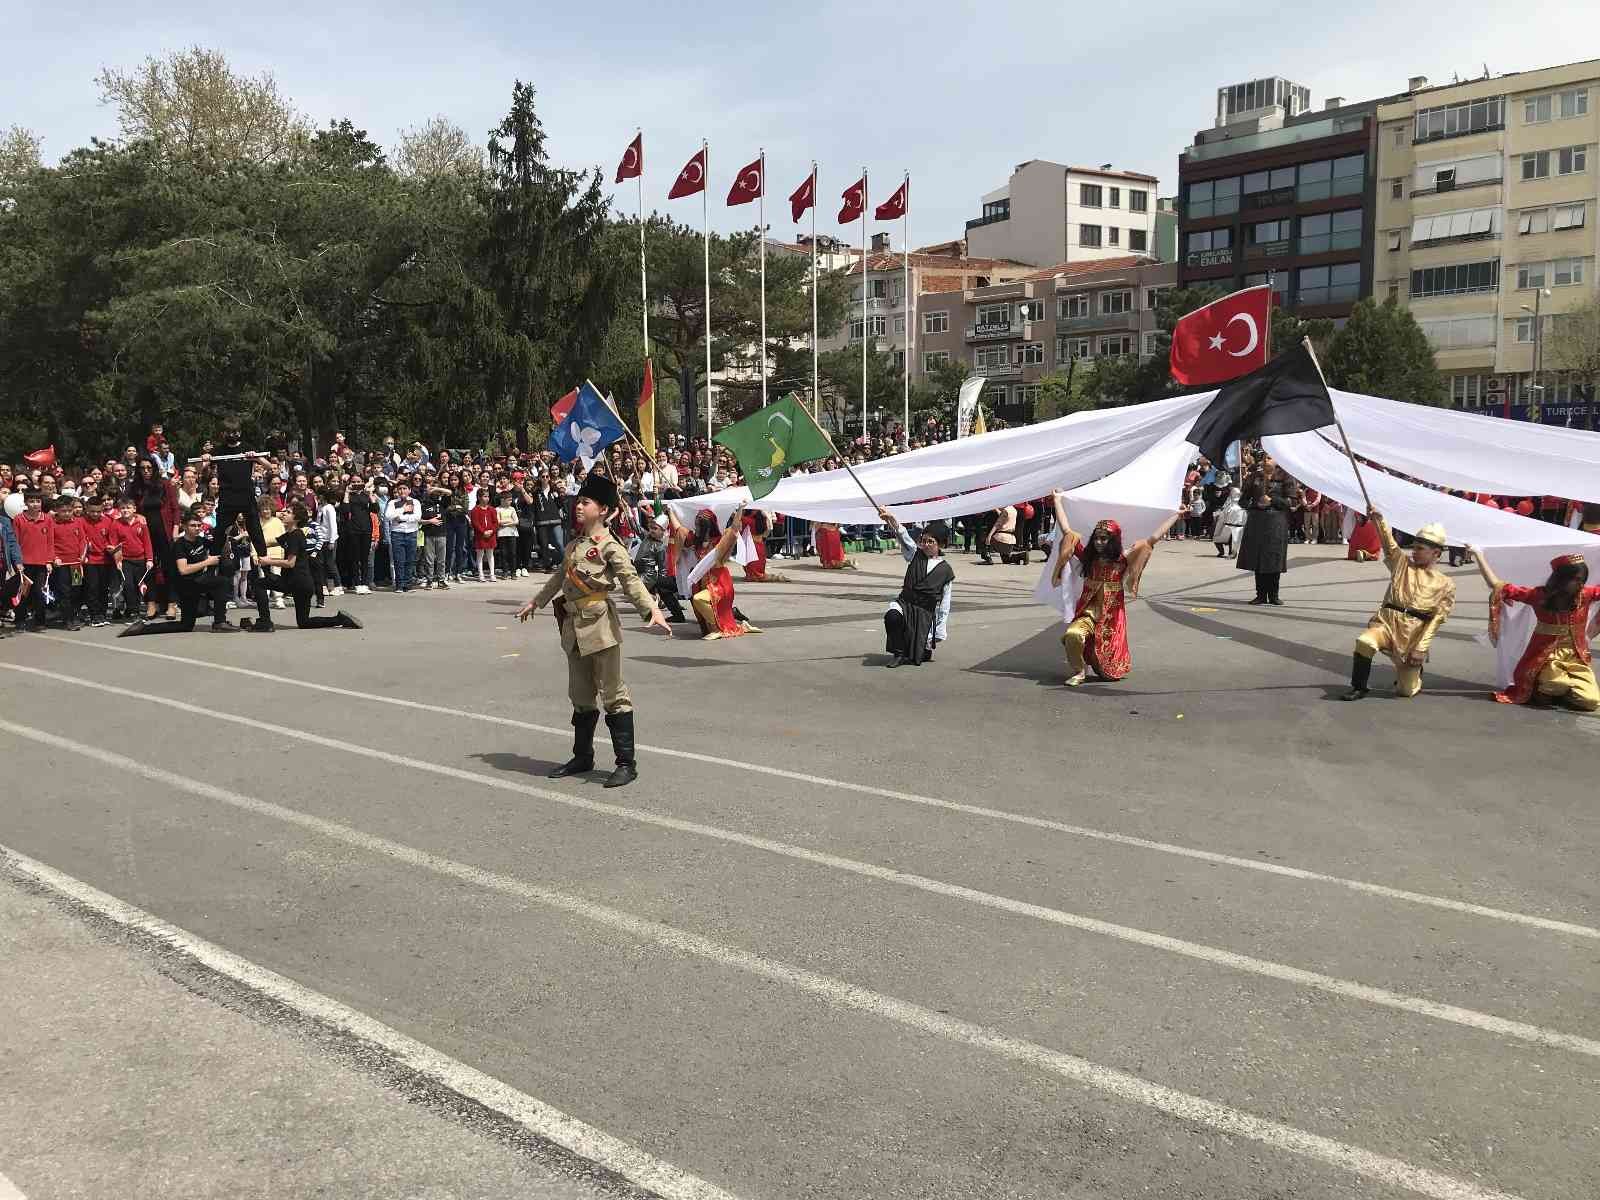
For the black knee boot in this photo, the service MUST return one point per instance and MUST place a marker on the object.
(583, 726)
(1360, 676)
(621, 727)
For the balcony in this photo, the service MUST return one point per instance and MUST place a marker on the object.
(1106, 322)
(996, 329)
(992, 218)
(1271, 139)
(1011, 370)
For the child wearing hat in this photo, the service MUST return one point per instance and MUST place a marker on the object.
(1416, 606)
(591, 634)
(918, 619)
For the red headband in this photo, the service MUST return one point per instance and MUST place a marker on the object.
(1110, 527)
(1567, 560)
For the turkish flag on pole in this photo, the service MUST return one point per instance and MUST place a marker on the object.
(632, 164)
(748, 184)
(804, 196)
(41, 458)
(855, 201)
(560, 409)
(1225, 339)
(894, 207)
(692, 178)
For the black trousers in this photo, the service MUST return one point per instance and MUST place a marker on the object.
(98, 580)
(549, 551)
(302, 603)
(666, 591)
(227, 512)
(352, 555)
(1267, 584)
(67, 592)
(189, 597)
(133, 570)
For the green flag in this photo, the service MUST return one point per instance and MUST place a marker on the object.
(771, 440)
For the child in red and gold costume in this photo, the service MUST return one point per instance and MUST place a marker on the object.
(1556, 666)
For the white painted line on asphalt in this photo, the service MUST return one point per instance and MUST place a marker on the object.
(539, 1118)
(9, 1190)
(974, 810)
(840, 993)
(1345, 988)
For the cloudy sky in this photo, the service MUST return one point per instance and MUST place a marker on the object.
(957, 93)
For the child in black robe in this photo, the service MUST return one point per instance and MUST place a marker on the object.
(918, 619)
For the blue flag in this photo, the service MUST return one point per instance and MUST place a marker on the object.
(587, 428)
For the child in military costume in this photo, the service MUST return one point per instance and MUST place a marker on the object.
(1417, 604)
(591, 634)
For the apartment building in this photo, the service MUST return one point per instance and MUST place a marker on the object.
(1017, 332)
(889, 307)
(1276, 192)
(1486, 213)
(1051, 213)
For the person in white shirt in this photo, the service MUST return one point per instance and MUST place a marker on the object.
(405, 520)
(666, 475)
(328, 519)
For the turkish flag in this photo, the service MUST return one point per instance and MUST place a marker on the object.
(692, 178)
(748, 184)
(1225, 339)
(41, 458)
(560, 409)
(804, 196)
(894, 207)
(855, 201)
(632, 164)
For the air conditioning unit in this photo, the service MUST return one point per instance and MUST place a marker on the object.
(1445, 181)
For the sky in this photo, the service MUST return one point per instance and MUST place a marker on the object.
(957, 93)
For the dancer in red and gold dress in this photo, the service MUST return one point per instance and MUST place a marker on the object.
(758, 526)
(830, 548)
(1097, 636)
(703, 557)
(1365, 544)
(1556, 667)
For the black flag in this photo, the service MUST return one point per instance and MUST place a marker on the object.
(1287, 395)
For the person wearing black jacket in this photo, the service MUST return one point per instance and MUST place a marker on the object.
(236, 479)
(549, 505)
(294, 580)
(196, 565)
(355, 540)
(650, 560)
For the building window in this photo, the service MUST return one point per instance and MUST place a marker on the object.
(992, 356)
(1567, 216)
(1396, 189)
(877, 326)
(1114, 197)
(1534, 220)
(1465, 225)
(935, 359)
(1455, 120)
(1088, 235)
(1153, 297)
(1213, 197)
(1030, 353)
(1089, 195)
(1573, 160)
(1071, 308)
(1116, 347)
(1531, 275)
(877, 289)
(1457, 280)
(1152, 345)
(1394, 237)
(1138, 240)
(1112, 303)
(1525, 330)
(1467, 391)
(1329, 285)
(1336, 177)
(1570, 160)
(1536, 166)
(1138, 201)
(1557, 106)
(900, 325)
(936, 322)
(1460, 332)
(1113, 235)
(994, 314)
(1330, 231)
(1031, 310)
(1269, 231)
(1068, 348)
(1566, 272)
(1209, 239)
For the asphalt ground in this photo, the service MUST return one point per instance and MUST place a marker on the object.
(952, 930)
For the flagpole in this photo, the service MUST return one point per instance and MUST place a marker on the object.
(644, 283)
(816, 390)
(842, 458)
(705, 216)
(761, 221)
(863, 309)
(1338, 424)
(905, 269)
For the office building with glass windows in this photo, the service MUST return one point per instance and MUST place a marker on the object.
(1277, 193)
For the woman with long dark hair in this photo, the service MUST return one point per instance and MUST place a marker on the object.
(1556, 667)
(158, 505)
(294, 579)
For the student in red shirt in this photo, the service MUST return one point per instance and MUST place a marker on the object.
(133, 548)
(70, 540)
(36, 535)
(103, 567)
(485, 525)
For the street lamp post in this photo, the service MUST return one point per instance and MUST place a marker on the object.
(1536, 407)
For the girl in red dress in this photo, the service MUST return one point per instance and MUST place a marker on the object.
(757, 525)
(1556, 666)
(830, 548)
(711, 590)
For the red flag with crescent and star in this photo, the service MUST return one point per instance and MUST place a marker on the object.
(748, 184)
(692, 178)
(894, 207)
(855, 201)
(1224, 340)
(632, 164)
(804, 196)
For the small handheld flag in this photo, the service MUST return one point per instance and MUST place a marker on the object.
(588, 428)
(769, 442)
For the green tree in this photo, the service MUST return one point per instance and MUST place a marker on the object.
(1382, 351)
(438, 147)
(1288, 329)
(841, 391)
(1572, 344)
(1063, 392)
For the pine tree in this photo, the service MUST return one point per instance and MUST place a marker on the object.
(1382, 351)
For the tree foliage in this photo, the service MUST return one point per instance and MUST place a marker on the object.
(438, 148)
(1572, 344)
(1382, 351)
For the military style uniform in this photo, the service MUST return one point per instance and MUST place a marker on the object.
(1417, 604)
(591, 633)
